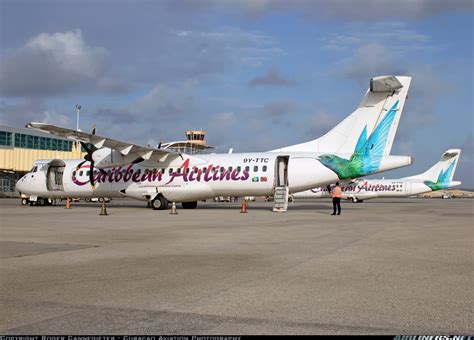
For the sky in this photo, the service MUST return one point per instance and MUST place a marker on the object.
(256, 75)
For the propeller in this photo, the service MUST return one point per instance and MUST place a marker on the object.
(90, 149)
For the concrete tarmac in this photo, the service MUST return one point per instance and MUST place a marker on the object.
(388, 266)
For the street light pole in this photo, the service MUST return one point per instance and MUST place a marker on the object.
(78, 109)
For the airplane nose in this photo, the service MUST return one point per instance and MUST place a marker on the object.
(19, 185)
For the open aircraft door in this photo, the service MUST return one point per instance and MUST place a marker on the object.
(281, 189)
(54, 175)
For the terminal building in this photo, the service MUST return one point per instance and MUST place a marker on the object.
(21, 147)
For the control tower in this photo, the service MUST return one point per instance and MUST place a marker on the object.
(195, 143)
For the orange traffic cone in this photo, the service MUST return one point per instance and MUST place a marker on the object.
(103, 210)
(68, 203)
(244, 207)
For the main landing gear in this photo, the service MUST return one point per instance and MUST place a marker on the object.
(159, 203)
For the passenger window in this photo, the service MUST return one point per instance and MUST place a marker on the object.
(178, 170)
(213, 169)
(163, 171)
(264, 168)
(247, 168)
(255, 168)
(239, 168)
(221, 169)
(146, 171)
(80, 173)
(195, 170)
(74, 173)
(170, 171)
(187, 170)
(88, 173)
(230, 169)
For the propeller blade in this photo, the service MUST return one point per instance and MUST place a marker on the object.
(91, 175)
(138, 160)
(80, 164)
(86, 147)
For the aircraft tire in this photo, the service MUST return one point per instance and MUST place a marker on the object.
(189, 205)
(159, 203)
(24, 201)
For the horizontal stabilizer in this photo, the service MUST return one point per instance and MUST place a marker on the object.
(385, 84)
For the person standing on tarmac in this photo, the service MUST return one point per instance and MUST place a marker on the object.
(336, 195)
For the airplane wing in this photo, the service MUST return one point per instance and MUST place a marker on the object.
(126, 149)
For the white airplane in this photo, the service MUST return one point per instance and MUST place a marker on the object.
(438, 177)
(357, 146)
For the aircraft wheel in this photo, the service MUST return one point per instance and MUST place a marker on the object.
(189, 205)
(159, 203)
(24, 201)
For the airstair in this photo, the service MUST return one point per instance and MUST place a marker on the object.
(280, 199)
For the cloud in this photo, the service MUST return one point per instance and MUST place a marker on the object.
(193, 54)
(370, 60)
(30, 110)
(466, 162)
(280, 109)
(377, 49)
(320, 123)
(271, 78)
(398, 35)
(54, 64)
(356, 10)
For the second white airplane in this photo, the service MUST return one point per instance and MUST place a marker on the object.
(360, 145)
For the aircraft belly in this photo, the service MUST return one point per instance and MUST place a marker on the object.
(186, 192)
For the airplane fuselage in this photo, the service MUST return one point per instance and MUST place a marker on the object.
(364, 189)
(188, 178)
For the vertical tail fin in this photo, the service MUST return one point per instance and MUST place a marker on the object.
(440, 175)
(382, 105)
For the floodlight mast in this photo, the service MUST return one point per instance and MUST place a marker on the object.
(78, 110)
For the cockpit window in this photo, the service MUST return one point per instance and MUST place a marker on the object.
(35, 168)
